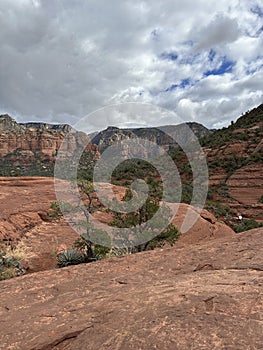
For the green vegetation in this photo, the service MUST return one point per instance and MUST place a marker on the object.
(57, 208)
(84, 251)
(89, 250)
(222, 137)
(19, 164)
(85, 167)
(70, 257)
(187, 192)
(85, 189)
(235, 162)
(223, 189)
(145, 214)
(245, 225)
(55, 212)
(133, 169)
(250, 118)
(220, 211)
(9, 266)
(10, 258)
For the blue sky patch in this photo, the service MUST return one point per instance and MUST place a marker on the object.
(184, 83)
(225, 67)
(257, 10)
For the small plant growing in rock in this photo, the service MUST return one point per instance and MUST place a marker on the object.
(70, 257)
(9, 267)
(54, 212)
(57, 209)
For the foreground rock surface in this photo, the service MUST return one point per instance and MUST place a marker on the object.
(203, 296)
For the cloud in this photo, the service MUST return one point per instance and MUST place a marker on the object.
(61, 60)
(221, 30)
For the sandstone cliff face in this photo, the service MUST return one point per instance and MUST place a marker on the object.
(43, 138)
(245, 187)
(23, 146)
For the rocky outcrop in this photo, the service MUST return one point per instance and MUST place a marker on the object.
(41, 137)
(31, 148)
(243, 190)
(241, 139)
(25, 202)
(21, 200)
(250, 118)
(207, 227)
(203, 296)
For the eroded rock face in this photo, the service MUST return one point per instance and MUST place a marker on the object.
(203, 296)
(207, 227)
(35, 146)
(246, 184)
(45, 138)
(24, 204)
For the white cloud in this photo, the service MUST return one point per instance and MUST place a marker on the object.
(61, 60)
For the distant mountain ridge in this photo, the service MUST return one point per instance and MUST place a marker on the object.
(166, 136)
(8, 123)
(31, 148)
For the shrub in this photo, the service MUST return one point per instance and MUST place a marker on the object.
(84, 251)
(246, 225)
(170, 236)
(58, 208)
(220, 210)
(70, 257)
(54, 213)
(9, 267)
(223, 189)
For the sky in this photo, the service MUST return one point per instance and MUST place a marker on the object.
(61, 60)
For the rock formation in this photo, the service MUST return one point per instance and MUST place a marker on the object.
(31, 148)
